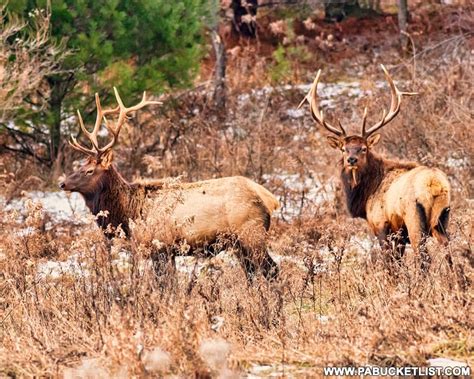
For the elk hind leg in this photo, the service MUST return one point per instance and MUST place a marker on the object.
(254, 257)
(440, 230)
(400, 240)
(418, 232)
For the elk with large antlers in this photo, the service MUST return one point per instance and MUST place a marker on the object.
(200, 213)
(401, 201)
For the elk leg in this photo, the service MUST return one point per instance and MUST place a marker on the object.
(257, 259)
(393, 244)
(383, 238)
(268, 266)
(400, 239)
(164, 261)
(245, 257)
(418, 233)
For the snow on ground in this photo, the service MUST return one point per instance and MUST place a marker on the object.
(305, 191)
(60, 206)
(460, 163)
(326, 91)
(56, 269)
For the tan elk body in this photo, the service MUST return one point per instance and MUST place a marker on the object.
(401, 201)
(212, 207)
(199, 213)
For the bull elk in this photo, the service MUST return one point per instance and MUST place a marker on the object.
(203, 211)
(401, 201)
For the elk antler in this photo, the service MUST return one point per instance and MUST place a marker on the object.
(318, 116)
(394, 107)
(101, 114)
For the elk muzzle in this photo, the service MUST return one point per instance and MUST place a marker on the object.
(352, 161)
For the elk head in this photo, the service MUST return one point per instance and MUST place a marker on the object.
(355, 148)
(89, 176)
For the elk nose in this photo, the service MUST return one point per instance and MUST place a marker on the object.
(62, 185)
(352, 160)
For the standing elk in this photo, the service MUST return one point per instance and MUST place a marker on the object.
(201, 212)
(400, 200)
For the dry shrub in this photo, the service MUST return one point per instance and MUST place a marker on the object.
(332, 306)
(336, 302)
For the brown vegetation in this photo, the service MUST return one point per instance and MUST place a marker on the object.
(110, 316)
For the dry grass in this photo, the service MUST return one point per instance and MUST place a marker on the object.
(336, 301)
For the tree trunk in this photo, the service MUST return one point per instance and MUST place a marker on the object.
(59, 87)
(402, 22)
(220, 68)
(55, 104)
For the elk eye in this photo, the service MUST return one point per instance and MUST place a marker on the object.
(364, 149)
(90, 171)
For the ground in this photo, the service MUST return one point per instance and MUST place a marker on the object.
(74, 304)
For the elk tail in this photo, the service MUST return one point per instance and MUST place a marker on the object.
(270, 201)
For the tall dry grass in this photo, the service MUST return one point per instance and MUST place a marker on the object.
(336, 302)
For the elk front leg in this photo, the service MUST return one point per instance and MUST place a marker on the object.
(244, 255)
(399, 240)
(392, 244)
(164, 261)
(269, 267)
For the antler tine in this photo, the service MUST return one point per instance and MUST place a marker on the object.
(101, 118)
(394, 105)
(318, 116)
(92, 136)
(87, 133)
(123, 114)
(364, 120)
(75, 145)
(144, 102)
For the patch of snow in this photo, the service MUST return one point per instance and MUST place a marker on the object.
(28, 231)
(123, 262)
(323, 319)
(310, 190)
(363, 245)
(463, 162)
(296, 113)
(60, 206)
(190, 265)
(57, 269)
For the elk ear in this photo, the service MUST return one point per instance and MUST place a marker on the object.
(373, 139)
(106, 159)
(334, 142)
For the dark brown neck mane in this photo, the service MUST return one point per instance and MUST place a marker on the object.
(369, 180)
(120, 199)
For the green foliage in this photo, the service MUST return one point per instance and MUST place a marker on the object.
(299, 11)
(141, 45)
(158, 40)
(281, 67)
(284, 60)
